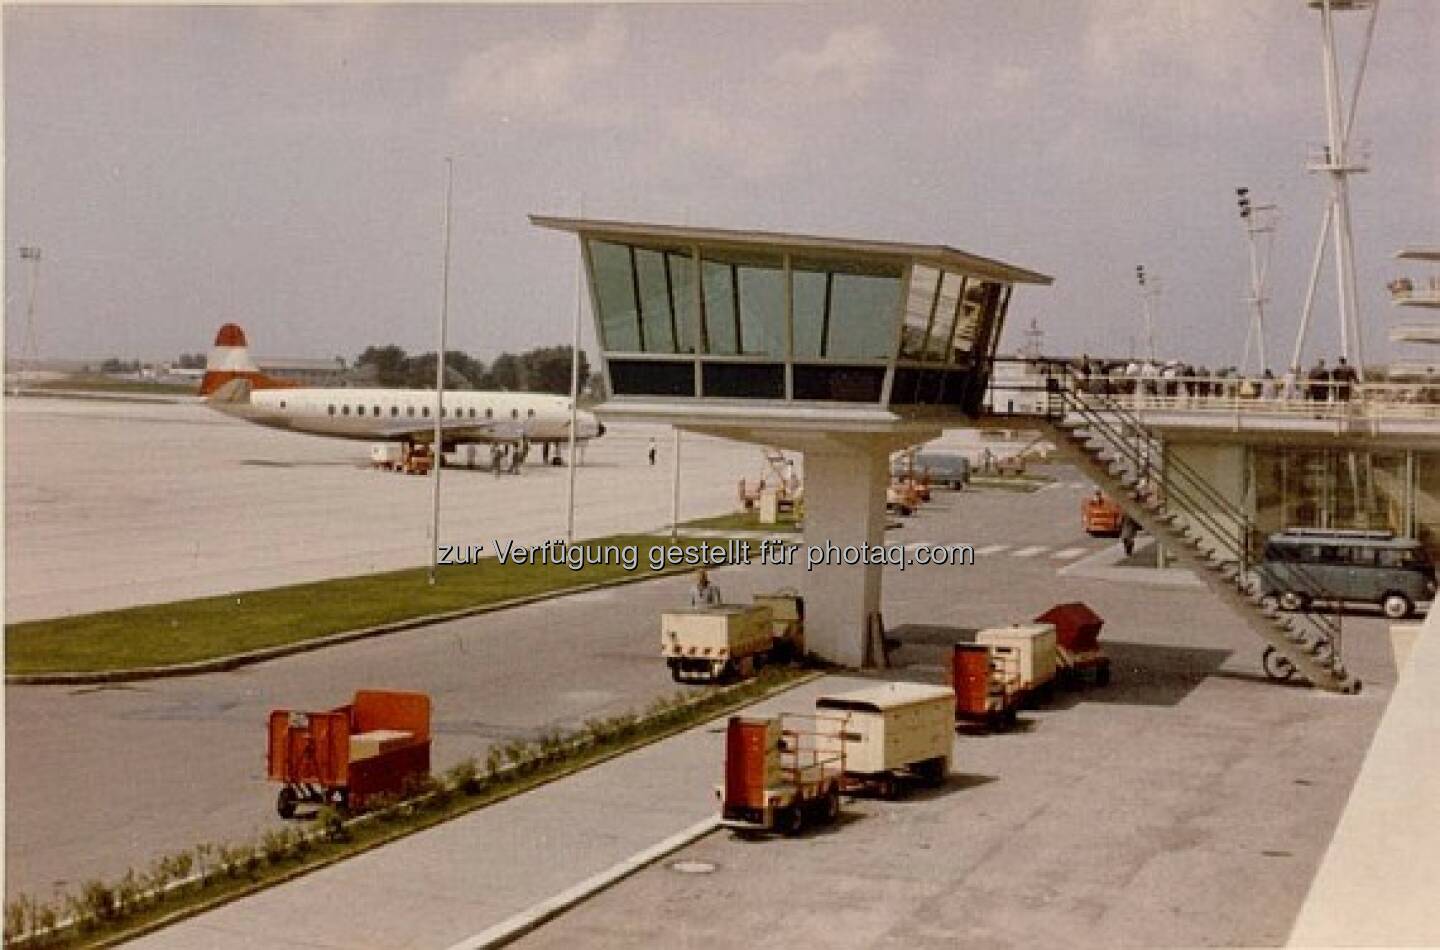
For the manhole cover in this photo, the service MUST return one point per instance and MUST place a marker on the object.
(692, 867)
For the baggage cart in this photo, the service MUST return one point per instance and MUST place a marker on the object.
(781, 772)
(892, 734)
(1034, 646)
(712, 644)
(349, 755)
(986, 678)
(1077, 643)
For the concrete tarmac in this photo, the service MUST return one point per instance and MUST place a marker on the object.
(115, 504)
(1189, 803)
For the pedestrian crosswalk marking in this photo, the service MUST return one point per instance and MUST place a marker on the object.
(991, 549)
(1067, 554)
(1030, 551)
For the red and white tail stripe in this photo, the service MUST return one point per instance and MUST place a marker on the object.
(230, 359)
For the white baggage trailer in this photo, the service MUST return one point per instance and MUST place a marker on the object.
(715, 643)
(893, 731)
(1034, 644)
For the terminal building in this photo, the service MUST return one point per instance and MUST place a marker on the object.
(847, 350)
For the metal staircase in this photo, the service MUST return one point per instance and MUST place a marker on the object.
(1196, 523)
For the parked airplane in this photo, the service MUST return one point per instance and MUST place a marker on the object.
(235, 386)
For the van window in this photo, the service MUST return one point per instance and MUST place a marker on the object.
(1401, 557)
(1358, 556)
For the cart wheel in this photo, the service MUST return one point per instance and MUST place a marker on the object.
(932, 772)
(887, 788)
(285, 802)
(791, 821)
(830, 805)
(1277, 667)
(1102, 674)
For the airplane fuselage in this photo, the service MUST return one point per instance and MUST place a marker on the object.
(408, 415)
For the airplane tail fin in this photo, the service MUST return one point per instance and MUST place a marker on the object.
(230, 360)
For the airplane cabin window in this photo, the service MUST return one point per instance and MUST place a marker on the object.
(425, 411)
(489, 413)
(377, 411)
(282, 404)
(530, 413)
(332, 410)
(514, 413)
(472, 412)
(409, 410)
(394, 411)
(344, 410)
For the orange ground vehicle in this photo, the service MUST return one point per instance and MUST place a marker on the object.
(782, 772)
(1101, 517)
(348, 755)
(986, 680)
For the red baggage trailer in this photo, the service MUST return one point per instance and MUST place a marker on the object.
(986, 680)
(1077, 642)
(349, 755)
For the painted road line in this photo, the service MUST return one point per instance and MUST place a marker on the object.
(1031, 551)
(990, 549)
(537, 915)
(1068, 554)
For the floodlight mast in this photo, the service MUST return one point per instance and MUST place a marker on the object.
(1339, 160)
(1148, 290)
(1257, 219)
(28, 346)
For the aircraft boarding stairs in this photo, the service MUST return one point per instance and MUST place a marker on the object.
(1193, 521)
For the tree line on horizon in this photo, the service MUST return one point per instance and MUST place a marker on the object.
(545, 369)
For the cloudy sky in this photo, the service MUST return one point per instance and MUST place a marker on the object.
(282, 167)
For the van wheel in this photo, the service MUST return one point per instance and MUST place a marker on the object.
(791, 821)
(1293, 601)
(830, 805)
(1396, 606)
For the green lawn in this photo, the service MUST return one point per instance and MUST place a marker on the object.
(743, 521)
(210, 627)
(105, 384)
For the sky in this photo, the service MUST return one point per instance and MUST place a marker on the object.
(282, 167)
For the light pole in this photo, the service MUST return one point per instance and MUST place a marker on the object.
(1147, 291)
(1256, 219)
(28, 346)
(439, 450)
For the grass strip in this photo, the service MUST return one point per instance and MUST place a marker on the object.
(181, 886)
(213, 627)
(105, 384)
(743, 521)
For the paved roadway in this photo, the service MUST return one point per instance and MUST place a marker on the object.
(103, 778)
(1188, 804)
(111, 504)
